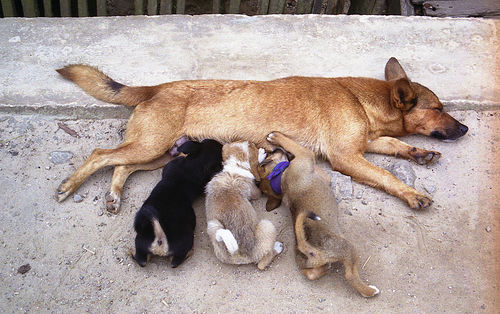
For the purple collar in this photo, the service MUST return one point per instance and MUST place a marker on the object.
(275, 176)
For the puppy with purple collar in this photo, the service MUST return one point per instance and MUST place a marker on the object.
(292, 174)
(236, 233)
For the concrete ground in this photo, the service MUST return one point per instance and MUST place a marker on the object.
(72, 256)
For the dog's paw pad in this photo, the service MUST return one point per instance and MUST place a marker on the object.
(278, 247)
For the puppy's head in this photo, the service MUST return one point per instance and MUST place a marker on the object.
(423, 113)
(207, 155)
(150, 238)
(267, 162)
(240, 157)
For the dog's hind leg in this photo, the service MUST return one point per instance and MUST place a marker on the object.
(394, 147)
(149, 135)
(315, 273)
(120, 175)
(266, 247)
(352, 276)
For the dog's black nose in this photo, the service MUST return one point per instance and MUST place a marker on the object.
(463, 129)
(160, 242)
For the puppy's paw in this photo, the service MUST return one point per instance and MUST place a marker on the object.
(270, 137)
(262, 155)
(278, 247)
(373, 293)
(112, 202)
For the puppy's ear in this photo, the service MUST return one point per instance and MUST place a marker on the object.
(402, 95)
(394, 70)
(189, 147)
(272, 203)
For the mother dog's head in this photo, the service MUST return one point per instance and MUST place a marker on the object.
(422, 111)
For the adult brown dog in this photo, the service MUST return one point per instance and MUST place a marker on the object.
(319, 241)
(337, 118)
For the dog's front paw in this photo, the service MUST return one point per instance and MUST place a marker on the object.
(63, 191)
(278, 247)
(419, 201)
(113, 202)
(424, 157)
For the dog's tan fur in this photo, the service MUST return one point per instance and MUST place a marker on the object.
(337, 118)
(318, 242)
(229, 210)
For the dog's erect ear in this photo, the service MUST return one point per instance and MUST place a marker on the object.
(189, 147)
(272, 203)
(402, 95)
(394, 70)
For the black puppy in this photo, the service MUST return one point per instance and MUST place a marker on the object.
(166, 221)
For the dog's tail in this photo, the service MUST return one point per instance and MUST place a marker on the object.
(102, 87)
(216, 229)
(226, 236)
(300, 233)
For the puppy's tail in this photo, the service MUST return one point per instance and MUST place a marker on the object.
(102, 87)
(300, 233)
(226, 236)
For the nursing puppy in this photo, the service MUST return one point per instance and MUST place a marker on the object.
(237, 236)
(166, 221)
(319, 241)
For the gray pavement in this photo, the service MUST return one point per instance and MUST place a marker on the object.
(440, 260)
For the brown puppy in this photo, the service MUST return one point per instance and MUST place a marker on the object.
(237, 235)
(337, 118)
(314, 210)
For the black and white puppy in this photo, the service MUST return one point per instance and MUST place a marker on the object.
(166, 221)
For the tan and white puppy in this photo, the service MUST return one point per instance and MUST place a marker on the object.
(236, 233)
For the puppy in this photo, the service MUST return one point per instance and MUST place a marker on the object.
(237, 236)
(314, 210)
(166, 221)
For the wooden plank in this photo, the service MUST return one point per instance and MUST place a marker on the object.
(462, 8)
(83, 9)
(47, 8)
(138, 7)
(276, 6)
(181, 6)
(166, 7)
(101, 8)
(317, 7)
(304, 7)
(407, 9)
(8, 8)
(30, 9)
(263, 7)
(65, 6)
(152, 6)
(234, 6)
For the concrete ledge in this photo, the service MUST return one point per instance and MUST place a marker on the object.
(456, 58)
